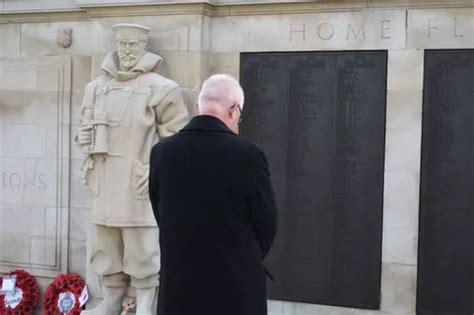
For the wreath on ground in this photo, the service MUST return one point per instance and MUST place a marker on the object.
(23, 299)
(65, 295)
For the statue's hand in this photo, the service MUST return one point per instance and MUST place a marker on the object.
(141, 178)
(84, 136)
(142, 185)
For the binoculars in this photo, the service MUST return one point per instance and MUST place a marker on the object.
(95, 122)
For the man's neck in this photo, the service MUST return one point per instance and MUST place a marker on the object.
(217, 115)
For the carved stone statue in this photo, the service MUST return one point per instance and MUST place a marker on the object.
(124, 112)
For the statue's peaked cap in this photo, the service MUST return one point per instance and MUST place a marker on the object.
(130, 31)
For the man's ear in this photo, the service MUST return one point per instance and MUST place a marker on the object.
(232, 113)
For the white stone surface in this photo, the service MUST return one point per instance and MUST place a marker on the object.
(401, 199)
(402, 151)
(92, 279)
(40, 39)
(400, 245)
(441, 28)
(23, 141)
(275, 307)
(65, 5)
(77, 257)
(34, 164)
(258, 1)
(402, 159)
(79, 223)
(319, 31)
(10, 35)
(404, 110)
(405, 70)
(34, 5)
(40, 183)
(80, 195)
(79, 219)
(228, 63)
(168, 33)
(190, 97)
(17, 78)
(34, 237)
(12, 191)
(178, 63)
(313, 309)
(109, 2)
(398, 289)
(81, 75)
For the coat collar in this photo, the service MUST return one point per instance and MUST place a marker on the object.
(147, 63)
(207, 123)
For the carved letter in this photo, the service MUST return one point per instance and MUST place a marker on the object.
(456, 28)
(12, 180)
(302, 31)
(28, 180)
(329, 34)
(430, 26)
(351, 30)
(42, 181)
(386, 27)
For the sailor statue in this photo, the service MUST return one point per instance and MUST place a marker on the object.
(124, 112)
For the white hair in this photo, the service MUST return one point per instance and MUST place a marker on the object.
(222, 89)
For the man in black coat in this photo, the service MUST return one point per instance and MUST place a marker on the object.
(214, 205)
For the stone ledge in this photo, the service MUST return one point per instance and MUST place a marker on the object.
(87, 9)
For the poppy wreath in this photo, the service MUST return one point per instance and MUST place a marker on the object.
(27, 293)
(64, 292)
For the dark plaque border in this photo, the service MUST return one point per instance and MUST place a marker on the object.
(320, 118)
(446, 230)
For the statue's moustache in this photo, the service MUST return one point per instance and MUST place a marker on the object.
(128, 58)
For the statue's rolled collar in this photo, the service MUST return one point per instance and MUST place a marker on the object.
(147, 63)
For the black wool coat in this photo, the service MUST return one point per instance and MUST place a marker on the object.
(214, 204)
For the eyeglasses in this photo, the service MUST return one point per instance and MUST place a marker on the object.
(240, 111)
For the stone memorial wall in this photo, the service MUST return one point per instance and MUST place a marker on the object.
(34, 163)
(50, 49)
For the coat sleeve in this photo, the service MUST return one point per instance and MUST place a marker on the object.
(88, 99)
(153, 189)
(87, 103)
(263, 210)
(171, 112)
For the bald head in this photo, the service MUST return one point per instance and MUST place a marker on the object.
(221, 96)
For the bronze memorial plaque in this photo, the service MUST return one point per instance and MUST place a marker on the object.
(320, 118)
(446, 250)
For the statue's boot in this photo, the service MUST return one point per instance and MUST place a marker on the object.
(111, 304)
(145, 301)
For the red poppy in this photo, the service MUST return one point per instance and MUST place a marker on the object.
(69, 286)
(29, 293)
